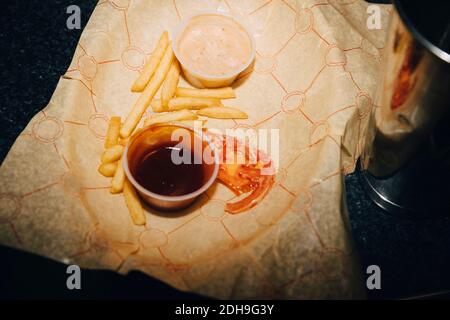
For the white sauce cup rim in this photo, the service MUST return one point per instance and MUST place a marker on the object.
(182, 26)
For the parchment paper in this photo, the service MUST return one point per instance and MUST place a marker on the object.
(314, 77)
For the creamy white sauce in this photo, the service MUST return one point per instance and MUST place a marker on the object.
(214, 45)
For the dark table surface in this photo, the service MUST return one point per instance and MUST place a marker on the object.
(36, 48)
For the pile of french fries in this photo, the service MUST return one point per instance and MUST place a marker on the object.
(160, 73)
(111, 166)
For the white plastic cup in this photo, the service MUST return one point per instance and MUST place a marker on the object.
(203, 80)
(164, 202)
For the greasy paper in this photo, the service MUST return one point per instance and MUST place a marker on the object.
(314, 78)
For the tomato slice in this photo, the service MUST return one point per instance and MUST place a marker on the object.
(232, 181)
(245, 177)
(259, 192)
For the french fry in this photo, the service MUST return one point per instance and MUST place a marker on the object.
(112, 154)
(112, 135)
(118, 179)
(170, 84)
(223, 113)
(193, 103)
(123, 142)
(152, 64)
(222, 93)
(134, 204)
(147, 95)
(157, 106)
(107, 169)
(170, 116)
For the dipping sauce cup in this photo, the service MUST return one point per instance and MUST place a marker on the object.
(213, 48)
(170, 165)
